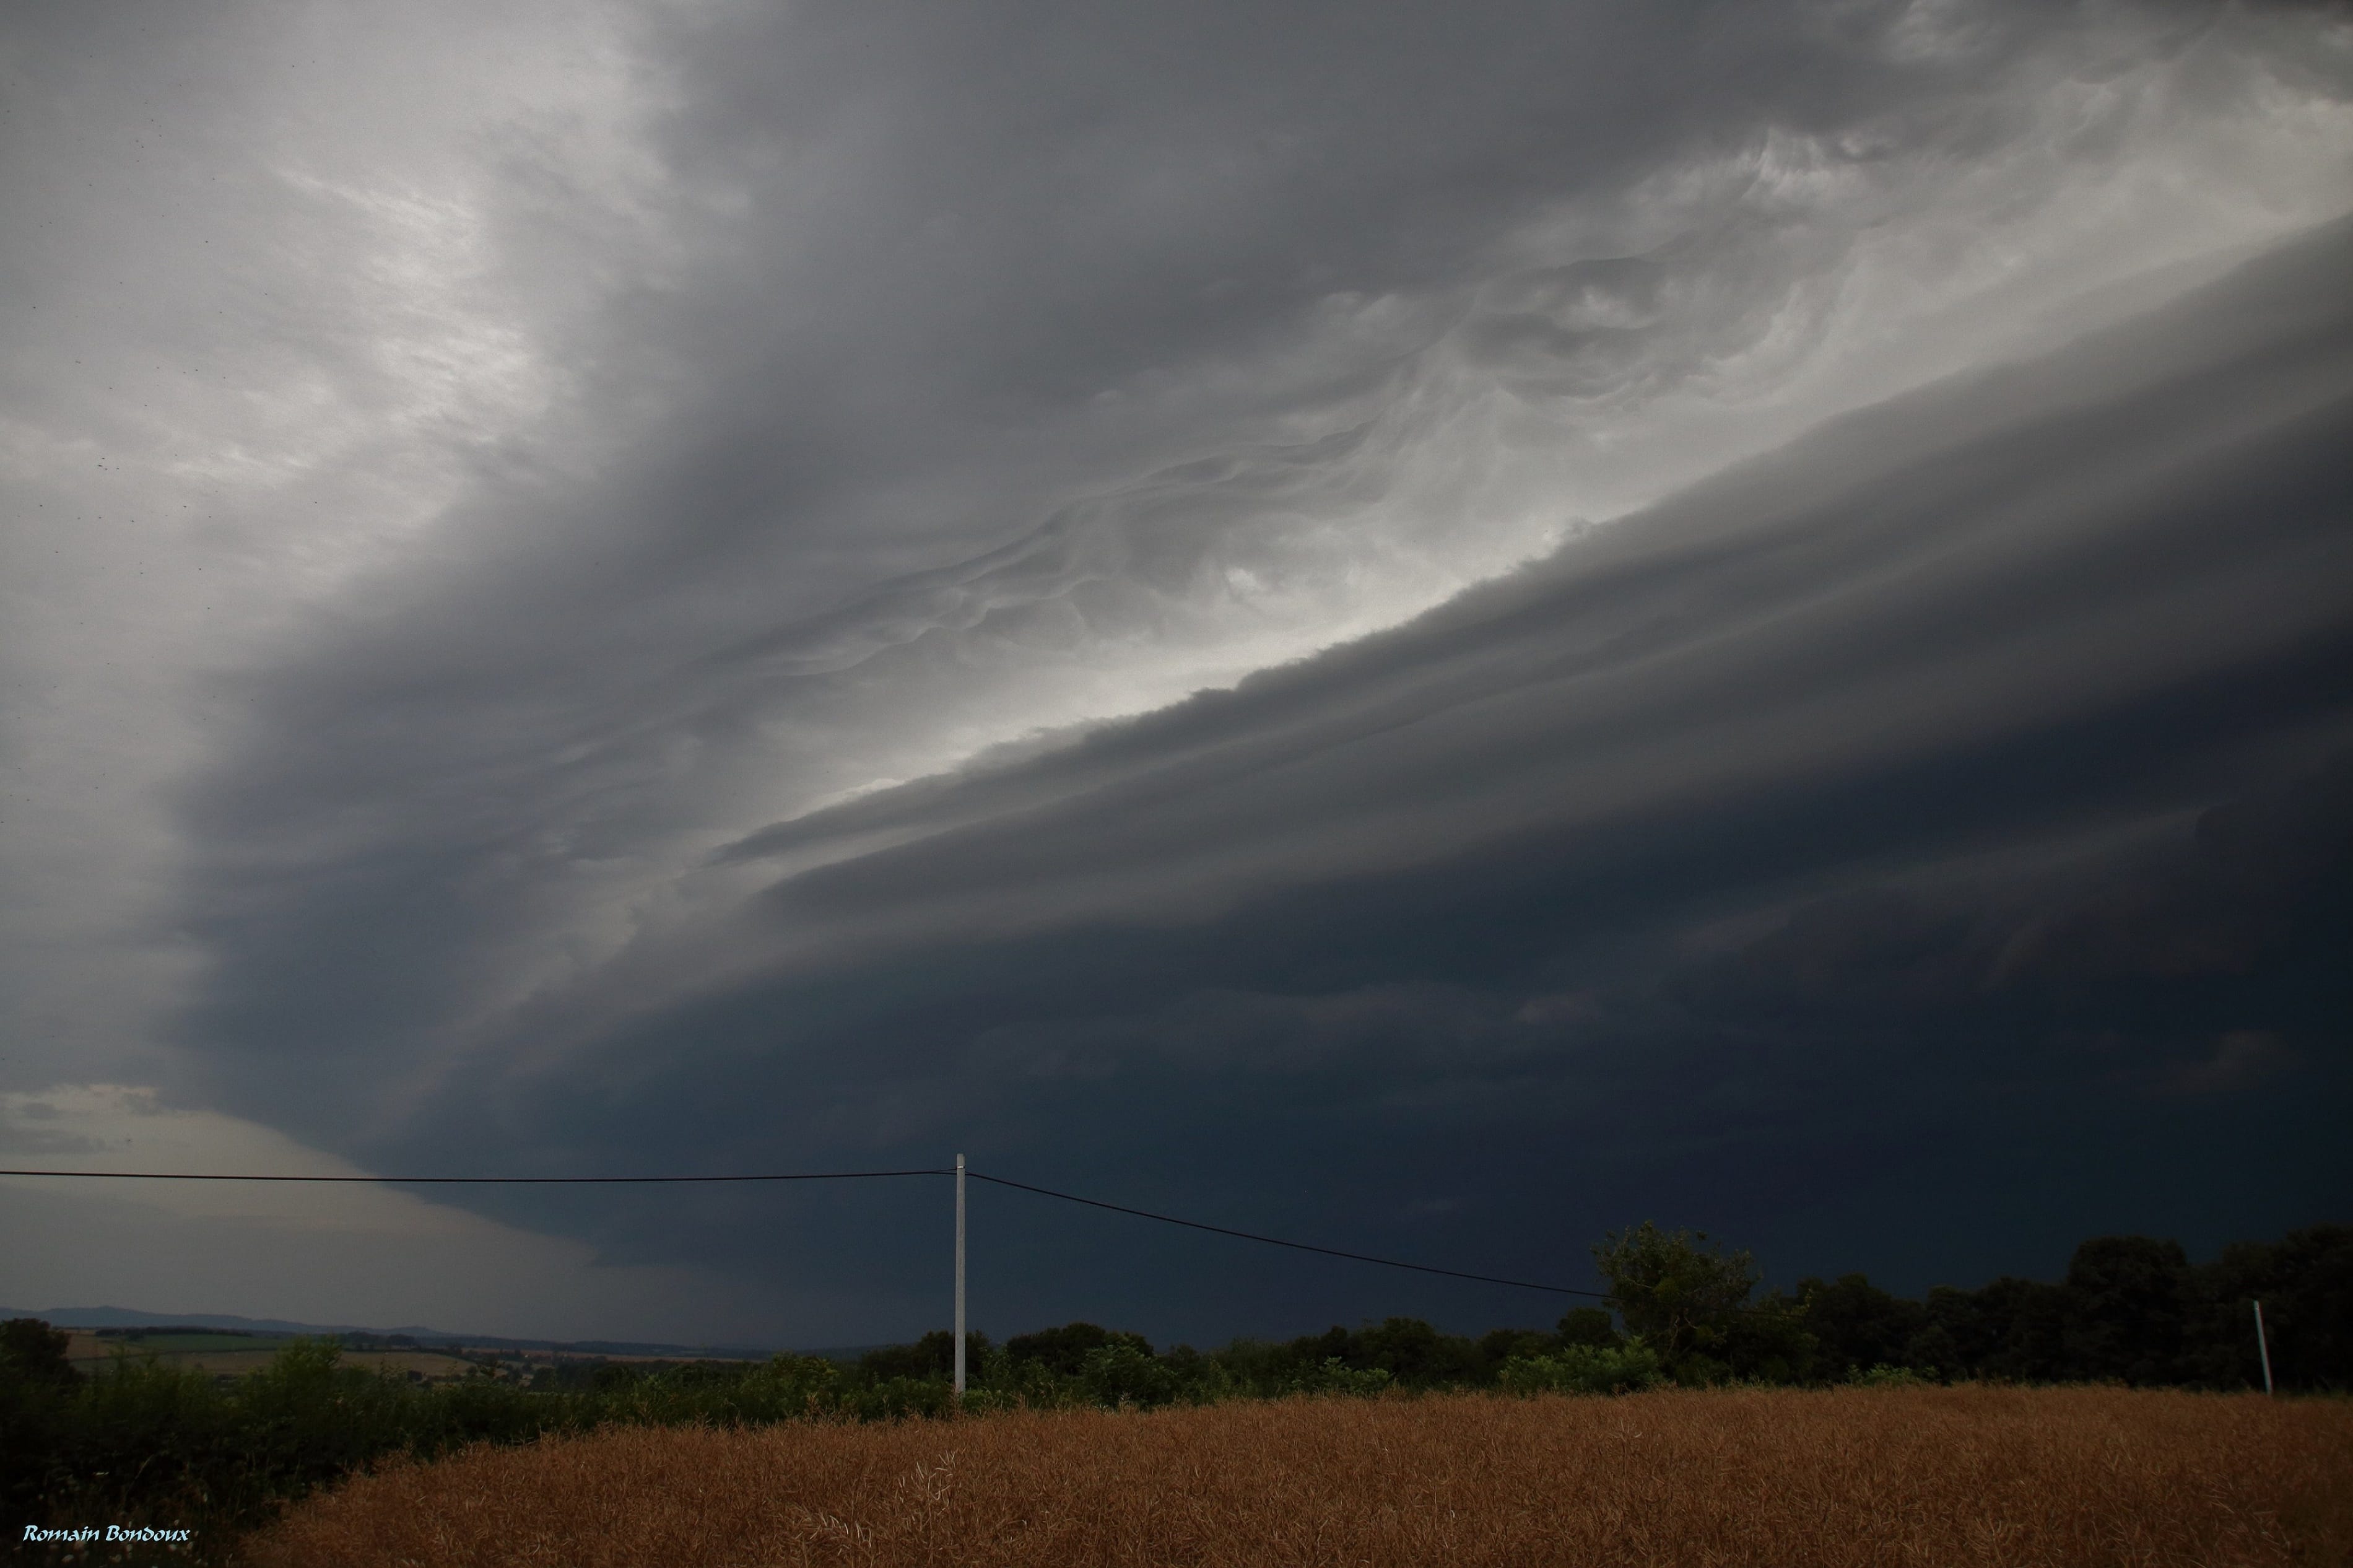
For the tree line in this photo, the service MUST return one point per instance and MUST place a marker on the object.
(1681, 1309)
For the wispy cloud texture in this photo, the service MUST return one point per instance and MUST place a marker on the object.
(838, 577)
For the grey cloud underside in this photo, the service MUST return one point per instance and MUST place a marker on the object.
(913, 253)
(1249, 220)
(900, 344)
(1825, 821)
(1918, 711)
(2001, 560)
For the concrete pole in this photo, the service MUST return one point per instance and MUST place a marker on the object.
(959, 1283)
(2263, 1346)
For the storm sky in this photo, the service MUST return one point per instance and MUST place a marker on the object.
(1431, 628)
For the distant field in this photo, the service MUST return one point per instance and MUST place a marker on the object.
(1790, 1477)
(234, 1355)
(82, 1345)
(239, 1363)
(197, 1341)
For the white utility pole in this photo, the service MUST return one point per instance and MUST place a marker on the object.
(959, 1302)
(2263, 1345)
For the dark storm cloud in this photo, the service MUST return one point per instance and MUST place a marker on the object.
(1881, 593)
(918, 252)
(1924, 706)
(923, 278)
(956, 385)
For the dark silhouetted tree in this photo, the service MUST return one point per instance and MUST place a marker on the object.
(2304, 1281)
(1857, 1326)
(32, 1351)
(1416, 1355)
(1682, 1295)
(932, 1356)
(1589, 1325)
(2129, 1301)
(1064, 1351)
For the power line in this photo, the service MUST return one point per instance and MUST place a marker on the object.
(478, 1180)
(827, 1176)
(1295, 1246)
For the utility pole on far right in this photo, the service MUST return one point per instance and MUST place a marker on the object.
(2262, 1348)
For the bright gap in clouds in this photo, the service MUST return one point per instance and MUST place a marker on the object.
(1601, 357)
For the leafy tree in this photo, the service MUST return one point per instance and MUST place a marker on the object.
(1064, 1351)
(1768, 1341)
(32, 1351)
(1200, 1379)
(1125, 1371)
(1588, 1326)
(1415, 1354)
(1679, 1295)
(1952, 1339)
(2128, 1299)
(1857, 1325)
(1501, 1345)
(2306, 1283)
(38, 1400)
(2021, 1326)
(932, 1356)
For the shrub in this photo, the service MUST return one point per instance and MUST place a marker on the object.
(1336, 1376)
(1584, 1369)
(1117, 1375)
(1886, 1376)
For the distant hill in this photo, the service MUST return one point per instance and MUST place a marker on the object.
(131, 1317)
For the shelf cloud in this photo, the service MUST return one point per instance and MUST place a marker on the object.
(1517, 616)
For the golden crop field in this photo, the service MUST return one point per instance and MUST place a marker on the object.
(1788, 1478)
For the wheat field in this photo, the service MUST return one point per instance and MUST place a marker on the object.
(1793, 1479)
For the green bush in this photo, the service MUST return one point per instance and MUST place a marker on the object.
(1584, 1369)
(1884, 1376)
(1118, 1374)
(1336, 1376)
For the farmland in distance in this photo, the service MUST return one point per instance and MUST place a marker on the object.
(229, 1354)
